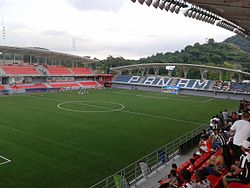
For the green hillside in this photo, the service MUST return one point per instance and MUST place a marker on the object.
(224, 54)
(240, 42)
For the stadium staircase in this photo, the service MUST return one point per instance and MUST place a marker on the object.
(2, 71)
(211, 85)
(153, 179)
(42, 70)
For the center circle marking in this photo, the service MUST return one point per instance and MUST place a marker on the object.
(86, 103)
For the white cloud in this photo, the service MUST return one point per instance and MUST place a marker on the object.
(107, 5)
(118, 28)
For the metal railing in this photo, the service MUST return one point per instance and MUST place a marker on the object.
(132, 174)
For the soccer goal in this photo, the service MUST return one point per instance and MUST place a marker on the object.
(171, 89)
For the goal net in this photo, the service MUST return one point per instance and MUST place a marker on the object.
(171, 89)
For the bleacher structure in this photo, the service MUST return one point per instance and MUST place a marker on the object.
(20, 79)
(158, 81)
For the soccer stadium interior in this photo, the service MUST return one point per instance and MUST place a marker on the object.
(216, 154)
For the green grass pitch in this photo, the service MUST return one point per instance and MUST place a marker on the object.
(69, 140)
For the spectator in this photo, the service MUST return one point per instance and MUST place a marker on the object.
(214, 123)
(191, 167)
(240, 131)
(225, 116)
(217, 164)
(219, 138)
(202, 181)
(174, 167)
(174, 179)
(221, 120)
(205, 145)
(241, 172)
(188, 183)
(234, 117)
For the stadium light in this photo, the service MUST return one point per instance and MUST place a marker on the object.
(186, 12)
(193, 14)
(141, 1)
(177, 10)
(149, 2)
(172, 8)
(162, 5)
(167, 6)
(156, 3)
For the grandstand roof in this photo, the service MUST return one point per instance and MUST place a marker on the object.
(41, 52)
(238, 12)
(153, 65)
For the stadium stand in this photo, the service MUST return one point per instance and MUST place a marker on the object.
(66, 84)
(81, 71)
(2, 88)
(88, 84)
(56, 70)
(28, 86)
(164, 81)
(219, 165)
(20, 70)
(240, 87)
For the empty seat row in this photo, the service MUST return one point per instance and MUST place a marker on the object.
(17, 70)
(81, 71)
(55, 70)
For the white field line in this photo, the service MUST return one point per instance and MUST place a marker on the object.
(136, 113)
(162, 117)
(107, 109)
(208, 100)
(162, 98)
(6, 160)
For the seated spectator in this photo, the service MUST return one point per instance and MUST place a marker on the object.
(188, 183)
(205, 145)
(174, 179)
(219, 138)
(174, 166)
(240, 172)
(201, 180)
(217, 164)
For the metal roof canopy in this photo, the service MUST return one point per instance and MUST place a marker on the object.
(163, 65)
(236, 11)
(45, 53)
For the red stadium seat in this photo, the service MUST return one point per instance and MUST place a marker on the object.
(17, 70)
(58, 71)
(81, 71)
(89, 83)
(238, 185)
(2, 88)
(60, 85)
(20, 86)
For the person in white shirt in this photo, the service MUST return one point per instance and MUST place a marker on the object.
(240, 130)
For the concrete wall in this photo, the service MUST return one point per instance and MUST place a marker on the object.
(217, 94)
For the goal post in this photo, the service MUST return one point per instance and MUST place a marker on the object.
(171, 89)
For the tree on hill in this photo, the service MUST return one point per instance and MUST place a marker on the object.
(239, 41)
(222, 54)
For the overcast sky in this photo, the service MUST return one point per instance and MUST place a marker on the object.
(101, 27)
